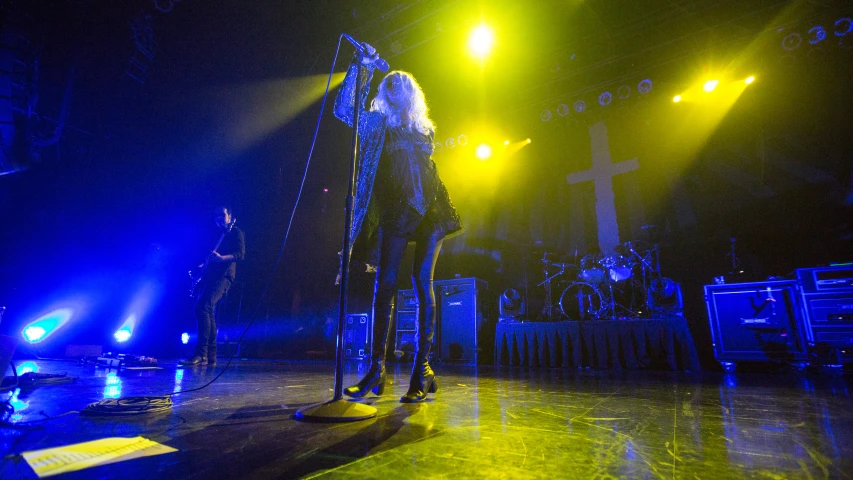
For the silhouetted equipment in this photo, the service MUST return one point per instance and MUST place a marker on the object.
(757, 322)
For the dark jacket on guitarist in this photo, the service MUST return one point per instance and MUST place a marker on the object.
(232, 244)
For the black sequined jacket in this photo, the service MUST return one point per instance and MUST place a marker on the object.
(371, 137)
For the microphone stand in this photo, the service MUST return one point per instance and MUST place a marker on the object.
(337, 409)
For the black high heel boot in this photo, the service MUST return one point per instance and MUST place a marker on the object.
(374, 380)
(423, 381)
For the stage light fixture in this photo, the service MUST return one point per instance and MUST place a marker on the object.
(450, 143)
(545, 115)
(644, 87)
(462, 140)
(749, 79)
(623, 92)
(122, 335)
(481, 41)
(484, 152)
(34, 334)
(511, 304)
(185, 338)
(580, 106)
(529, 140)
(676, 98)
(506, 142)
(38, 330)
(562, 109)
(843, 26)
(605, 98)
(710, 85)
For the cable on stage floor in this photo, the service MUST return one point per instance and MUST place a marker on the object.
(128, 406)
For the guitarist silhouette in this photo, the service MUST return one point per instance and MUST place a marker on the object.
(210, 285)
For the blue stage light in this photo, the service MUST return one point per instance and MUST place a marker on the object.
(122, 335)
(645, 86)
(34, 334)
(28, 367)
(605, 98)
(44, 326)
(185, 338)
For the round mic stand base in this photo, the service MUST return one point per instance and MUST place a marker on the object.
(336, 411)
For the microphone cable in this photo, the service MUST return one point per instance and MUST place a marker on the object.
(159, 404)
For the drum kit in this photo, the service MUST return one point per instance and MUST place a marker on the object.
(619, 284)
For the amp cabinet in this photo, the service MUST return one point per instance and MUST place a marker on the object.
(464, 331)
(757, 322)
(358, 330)
(827, 295)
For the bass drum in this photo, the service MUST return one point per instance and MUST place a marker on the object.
(581, 301)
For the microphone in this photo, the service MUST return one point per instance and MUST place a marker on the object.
(379, 63)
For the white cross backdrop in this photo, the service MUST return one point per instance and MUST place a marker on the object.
(601, 174)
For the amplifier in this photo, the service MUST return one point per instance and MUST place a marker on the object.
(357, 332)
(826, 279)
(761, 321)
(462, 327)
(405, 339)
(827, 294)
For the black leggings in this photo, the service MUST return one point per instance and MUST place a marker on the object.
(393, 248)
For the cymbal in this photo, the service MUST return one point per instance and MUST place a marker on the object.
(637, 246)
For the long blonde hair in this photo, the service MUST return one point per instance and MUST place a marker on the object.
(413, 113)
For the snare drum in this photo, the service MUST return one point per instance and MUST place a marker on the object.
(618, 267)
(591, 268)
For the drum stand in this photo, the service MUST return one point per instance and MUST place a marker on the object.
(650, 267)
(609, 312)
(548, 311)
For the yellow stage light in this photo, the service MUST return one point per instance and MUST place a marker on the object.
(710, 85)
(529, 140)
(481, 41)
(506, 142)
(676, 98)
(749, 79)
(484, 152)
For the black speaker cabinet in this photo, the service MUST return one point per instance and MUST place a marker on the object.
(827, 294)
(758, 322)
(357, 332)
(464, 332)
(464, 326)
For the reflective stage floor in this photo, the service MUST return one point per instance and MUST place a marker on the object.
(483, 423)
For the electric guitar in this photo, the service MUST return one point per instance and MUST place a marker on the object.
(195, 278)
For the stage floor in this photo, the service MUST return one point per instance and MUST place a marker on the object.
(485, 422)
